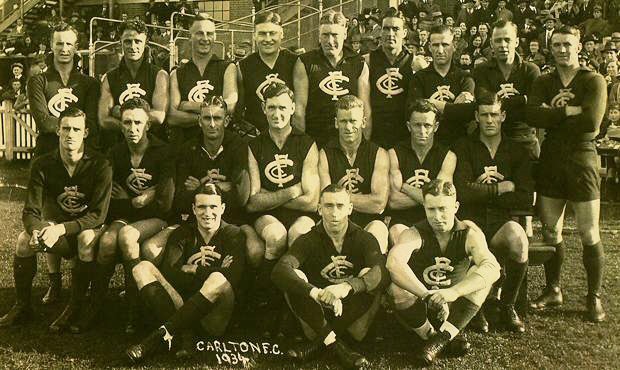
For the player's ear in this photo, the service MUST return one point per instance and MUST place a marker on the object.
(408, 124)
(194, 207)
(456, 206)
(579, 47)
(436, 126)
(503, 115)
(264, 107)
(476, 115)
(223, 207)
(85, 132)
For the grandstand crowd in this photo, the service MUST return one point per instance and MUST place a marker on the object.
(377, 172)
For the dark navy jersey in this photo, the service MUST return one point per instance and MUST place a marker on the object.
(155, 169)
(389, 85)
(195, 87)
(417, 174)
(80, 201)
(326, 84)
(283, 168)
(194, 160)
(257, 76)
(124, 86)
(429, 84)
(186, 246)
(437, 269)
(357, 178)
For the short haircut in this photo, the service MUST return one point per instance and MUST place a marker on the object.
(614, 106)
(63, 27)
(422, 106)
(567, 30)
(132, 25)
(14, 80)
(268, 17)
(486, 97)
(202, 17)
(135, 103)
(503, 23)
(71, 111)
(441, 29)
(439, 187)
(208, 189)
(392, 12)
(333, 17)
(276, 89)
(349, 102)
(215, 100)
(333, 188)
(484, 24)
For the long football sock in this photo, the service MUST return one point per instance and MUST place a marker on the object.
(189, 314)
(24, 270)
(158, 300)
(80, 280)
(553, 267)
(594, 263)
(515, 272)
(461, 312)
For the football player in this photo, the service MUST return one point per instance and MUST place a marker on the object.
(134, 77)
(413, 163)
(570, 104)
(68, 198)
(390, 72)
(269, 63)
(449, 88)
(441, 268)
(323, 75)
(142, 196)
(283, 166)
(205, 74)
(198, 279)
(493, 176)
(333, 278)
(359, 166)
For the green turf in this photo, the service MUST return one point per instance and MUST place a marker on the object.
(557, 339)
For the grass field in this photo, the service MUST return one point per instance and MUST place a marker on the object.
(554, 339)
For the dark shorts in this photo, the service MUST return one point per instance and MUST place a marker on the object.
(286, 216)
(568, 172)
(185, 284)
(66, 247)
(491, 228)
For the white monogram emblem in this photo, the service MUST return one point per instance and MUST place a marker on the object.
(276, 170)
(351, 179)
(443, 93)
(204, 257)
(59, 102)
(388, 84)
(336, 272)
(562, 98)
(507, 90)
(138, 179)
(268, 80)
(71, 200)
(419, 178)
(132, 91)
(199, 92)
(436, 275)
(330, 85)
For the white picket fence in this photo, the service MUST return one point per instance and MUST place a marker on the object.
(18, 133)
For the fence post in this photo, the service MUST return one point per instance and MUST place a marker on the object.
(299, 25)
(321, 9)
(9, 130)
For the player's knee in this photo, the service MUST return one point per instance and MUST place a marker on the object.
(106, 253)
(108, 240)
(379, 230)
(22, 249)
(517, 242)
(274, 236)
(85, 245)
(300, 274)
(143, 271)
(151, 249)
(551, 233)
(395, 232)
(128, 237)
(589, 235)
(255, 247)
(399, 298)
(215, 286)
(300, 227)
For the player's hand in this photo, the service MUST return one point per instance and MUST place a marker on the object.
(573, 111)
(295, 191)
(33, 243)
(216, 177)
(118, 192)
(407, 188)
(505, 187)
(464, 97)
(418, 63)
(190, 269)
(227, 261)
(442, 296)
(334, 292)
(337, 307)
(439, 104)
(49, 235)
(191, 183)
(116, 111)
(144, 199)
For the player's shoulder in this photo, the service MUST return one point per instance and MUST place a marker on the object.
(472, 229)
(589, 75)
(462, 144)
(231, 232)
(42, 161)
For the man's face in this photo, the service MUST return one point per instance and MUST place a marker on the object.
(465, 60)
(589, 46)
(504, 43)
(614, 115)
(202, 36)
(565, 49)
(422, 127)
(356, 46)
(213, 121)
(473, 30)
(483, 30)
(449, 21)
(279, 110)
(612, 69)
(134, 124)
(463, 27)
(64, 45)
(350, 123)
(331, 38)
(442, 48)
(501, 4)
(71, 132)
(490, 119)
(423, 35)
(208, 209)
(16, 85)
(597, 13)
(484, 3)
(133, 44)
(268, 37)
(17, 71)
(549, 24)
(534, 47)
(393, 33)
(335, 209)
(440, 211)
(611, 56)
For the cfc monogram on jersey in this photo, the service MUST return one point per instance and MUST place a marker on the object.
(390, 83)
(419, 178)
(351, 180)
(507, 90)
(60, 101)
(332, 84)
(269, 79)
(276, 172)
(132, 91)
(138, 180)
(206, 256)
(436, 275)
(443, 93)
(72, 200)
(562, 98)
(200, 91)
(338, 270)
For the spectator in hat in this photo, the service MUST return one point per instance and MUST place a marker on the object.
(609, 54)
(371, 38)
(38, 65)
(460, 44)
(429, 7)
(589, 48)
(501, 12)
(615, 38)
(17, 69)
(465, 62)
(355, 42)
(523, 11)
(484, 14)
(596, 24)
(544, 37)
(467, 13)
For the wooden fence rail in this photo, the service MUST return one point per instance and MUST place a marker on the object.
(18, 133)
